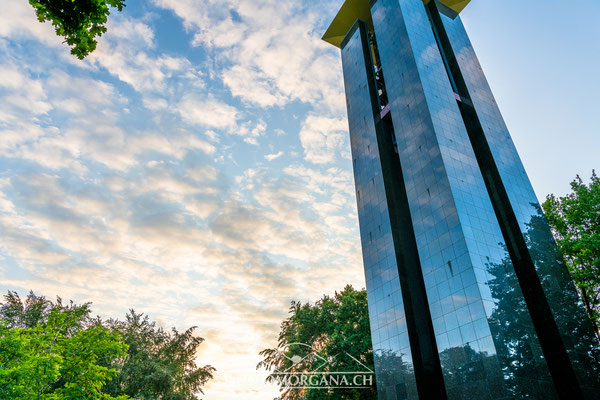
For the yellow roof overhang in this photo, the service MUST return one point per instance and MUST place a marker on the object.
(359, 9)
(456, 5)
(351, 11)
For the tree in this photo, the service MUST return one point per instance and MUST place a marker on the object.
(50, 351)
(511, 324)
(159, 364)
(78, 21)
(334, 330)
(575, 222)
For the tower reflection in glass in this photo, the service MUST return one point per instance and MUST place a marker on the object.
(468, 295)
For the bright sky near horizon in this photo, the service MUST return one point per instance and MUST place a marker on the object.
(196, 167)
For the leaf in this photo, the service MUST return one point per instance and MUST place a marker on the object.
(78, 21)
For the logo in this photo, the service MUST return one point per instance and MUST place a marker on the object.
(309, 370)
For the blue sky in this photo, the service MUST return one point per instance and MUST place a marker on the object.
(196, 167)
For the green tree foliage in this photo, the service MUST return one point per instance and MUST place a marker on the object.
(336, 329)
(50, 351)
(511, 325)
(159, 364)
(575, 221)
(78, 21)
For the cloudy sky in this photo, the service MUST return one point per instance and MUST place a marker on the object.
(196, 167)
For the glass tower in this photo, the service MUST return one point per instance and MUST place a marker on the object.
(468, 295)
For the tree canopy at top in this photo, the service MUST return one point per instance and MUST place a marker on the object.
(575, 221)
(78, 21)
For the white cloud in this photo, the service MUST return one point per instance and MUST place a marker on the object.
(202, 173)
(18, 20)
(271, 157)
(128, 51)
(133, 31)
(20, 92)
(253, 87)
(251, 135)
(208, 112)
(271, 63)
(155, 103)
(225, 33)
(79, 95)
(322, 138)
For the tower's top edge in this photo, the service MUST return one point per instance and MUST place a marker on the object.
(455, 5)
(352, 10)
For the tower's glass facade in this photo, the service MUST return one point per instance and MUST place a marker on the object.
(468, 296)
